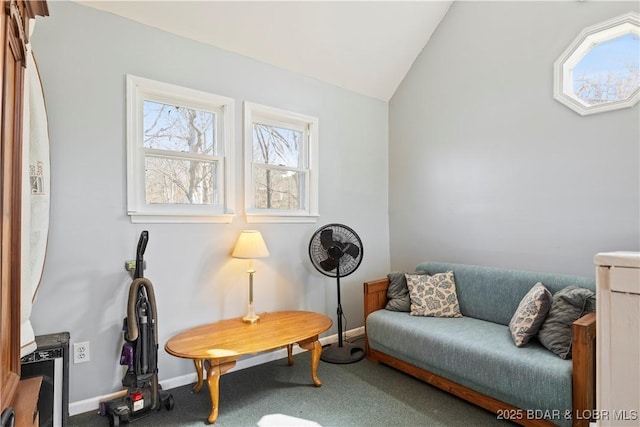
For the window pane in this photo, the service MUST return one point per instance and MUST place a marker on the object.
(169, 127)
(178, 181)
(277, 146)
(278, 189)
(609, 71)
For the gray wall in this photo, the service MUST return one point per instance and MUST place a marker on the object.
(487, 168)
(83, 55)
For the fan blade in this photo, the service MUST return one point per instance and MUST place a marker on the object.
(326, 238)
(329, 264)
(352, 250)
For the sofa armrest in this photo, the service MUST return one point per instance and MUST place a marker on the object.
(375, 295)
(375, 298)
(584, 368)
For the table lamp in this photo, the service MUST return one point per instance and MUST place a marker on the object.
(250, 245)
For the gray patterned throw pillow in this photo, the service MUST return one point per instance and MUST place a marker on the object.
(433, 296)
(528, 318)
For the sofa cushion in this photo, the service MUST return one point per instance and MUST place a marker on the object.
(493, 294)
(479, 355)
(530, 314)
(433, 295)
(568, 305)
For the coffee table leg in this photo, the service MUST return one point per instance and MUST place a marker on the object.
(198, 386)
(313, 345)
(213, 381)
(290, 354)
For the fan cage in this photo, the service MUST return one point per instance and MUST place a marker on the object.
(343, 234)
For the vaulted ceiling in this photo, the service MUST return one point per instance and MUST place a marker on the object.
(363, 46)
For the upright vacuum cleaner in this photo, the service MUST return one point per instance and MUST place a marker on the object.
(139, 352)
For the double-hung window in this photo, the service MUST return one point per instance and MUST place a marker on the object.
(179, 153)
(281, 166)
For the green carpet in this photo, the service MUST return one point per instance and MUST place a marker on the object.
(358, 394)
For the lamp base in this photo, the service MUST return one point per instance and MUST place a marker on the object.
(251, 318)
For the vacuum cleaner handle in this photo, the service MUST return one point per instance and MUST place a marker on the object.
(142, 246)
(142, 243)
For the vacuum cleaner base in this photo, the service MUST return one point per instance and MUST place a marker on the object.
(134, 406)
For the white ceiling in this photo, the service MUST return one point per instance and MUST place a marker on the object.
(363, 46)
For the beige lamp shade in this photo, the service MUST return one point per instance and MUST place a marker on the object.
(250, 245)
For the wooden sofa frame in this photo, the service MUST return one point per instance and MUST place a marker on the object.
(583, 348)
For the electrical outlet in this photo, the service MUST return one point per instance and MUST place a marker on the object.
(81, 352)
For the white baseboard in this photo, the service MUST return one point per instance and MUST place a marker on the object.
(92, 404)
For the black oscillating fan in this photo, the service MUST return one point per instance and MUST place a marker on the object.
(336, 251)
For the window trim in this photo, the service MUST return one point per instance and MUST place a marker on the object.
(286, 119)
(139, 89)
(562, 68)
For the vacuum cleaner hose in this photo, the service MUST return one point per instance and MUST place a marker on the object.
(132, 318)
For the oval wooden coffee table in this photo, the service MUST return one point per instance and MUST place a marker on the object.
(217, 346)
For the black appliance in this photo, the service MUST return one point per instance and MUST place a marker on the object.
(50, 360)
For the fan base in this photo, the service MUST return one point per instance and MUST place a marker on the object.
(348, 353)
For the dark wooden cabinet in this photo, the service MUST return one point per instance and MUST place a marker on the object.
(14, 30)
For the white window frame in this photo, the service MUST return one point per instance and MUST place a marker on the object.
(287, 119)
(588, 38)
(140, 89)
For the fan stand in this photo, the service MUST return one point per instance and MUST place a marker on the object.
(343, 352)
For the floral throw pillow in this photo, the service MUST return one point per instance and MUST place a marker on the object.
(530, 315)
(433, 296)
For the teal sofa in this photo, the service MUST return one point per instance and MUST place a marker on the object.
(474, 357)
